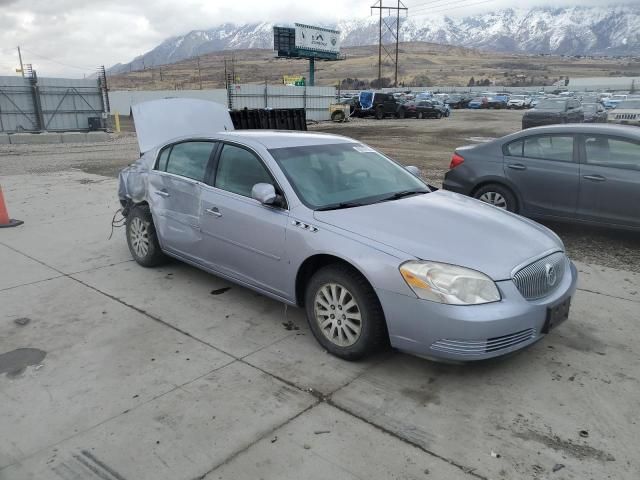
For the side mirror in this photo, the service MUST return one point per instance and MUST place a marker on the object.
(415, 171)
(265, 193)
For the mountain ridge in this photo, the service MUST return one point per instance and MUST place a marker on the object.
(607, 31)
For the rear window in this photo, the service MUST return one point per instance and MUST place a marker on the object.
(549, 147)
(190, 159)
(552, 105)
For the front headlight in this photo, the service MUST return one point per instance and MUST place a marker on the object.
(444, 283)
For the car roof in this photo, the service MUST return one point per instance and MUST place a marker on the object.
(573, 128)
(283, 138)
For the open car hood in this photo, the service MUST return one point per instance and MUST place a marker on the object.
(159, 121)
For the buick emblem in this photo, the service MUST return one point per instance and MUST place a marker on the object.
(550, 274)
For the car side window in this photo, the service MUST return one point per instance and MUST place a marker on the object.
(162, 159)
(190, 159)
(514, 149)
(239, 170)
(612, 152)
(549, 147)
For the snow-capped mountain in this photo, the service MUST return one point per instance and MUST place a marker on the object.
(571, 31)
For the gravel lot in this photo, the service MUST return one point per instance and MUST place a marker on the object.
(425, 143)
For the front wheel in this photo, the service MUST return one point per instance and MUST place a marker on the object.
(379, 113)
(439, 115)
(142, 238)
(344, 313)
(498, 196)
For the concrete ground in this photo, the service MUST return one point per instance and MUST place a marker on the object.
(111, 371)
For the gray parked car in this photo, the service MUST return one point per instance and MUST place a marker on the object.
(585, 173)
(324, 222)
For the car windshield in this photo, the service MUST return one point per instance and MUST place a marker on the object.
(629, 104)
(552, 105)
(344, 175)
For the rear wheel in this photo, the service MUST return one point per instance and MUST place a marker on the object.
(498, 196)
(338, 116)
(142, 238)
(439, 115)
(401, 113)
(344, 312)
(379, 113)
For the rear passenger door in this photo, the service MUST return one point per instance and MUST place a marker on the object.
(545, 171)
(174, 195)
(610, 180)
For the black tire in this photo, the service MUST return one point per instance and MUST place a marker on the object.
(140, 224)
(511, 204)
(402, 113)
(439, 115)
(379, 113)
(338, 116)
(373, 331)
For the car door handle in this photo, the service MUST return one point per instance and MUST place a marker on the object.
(517, 166)
(594, 178)
(213, 211)
(162, 193)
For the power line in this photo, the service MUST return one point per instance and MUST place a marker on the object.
(450, 6)
(42, 57)
(420, 5)
(446, 9)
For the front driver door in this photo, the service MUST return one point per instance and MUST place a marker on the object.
(610, 180)
(544, 170)
(174, 195)
(244, 238)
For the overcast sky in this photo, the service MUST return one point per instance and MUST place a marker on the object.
(73, 37)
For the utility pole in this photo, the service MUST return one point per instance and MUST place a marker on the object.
(395, 82)
(199, 75)
(395, 33)
(21, 66)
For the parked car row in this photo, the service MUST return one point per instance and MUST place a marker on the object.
(554, 110)
(382, 105)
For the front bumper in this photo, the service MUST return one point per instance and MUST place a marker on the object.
(475, 332)
(635, 123)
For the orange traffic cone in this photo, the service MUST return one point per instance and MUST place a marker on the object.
(5, 221)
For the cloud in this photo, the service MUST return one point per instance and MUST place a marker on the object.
(74, 37)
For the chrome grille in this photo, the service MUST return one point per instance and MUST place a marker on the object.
(478, 347)
(540, 278)
(626, 116)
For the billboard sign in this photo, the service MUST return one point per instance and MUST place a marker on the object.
(317, 38)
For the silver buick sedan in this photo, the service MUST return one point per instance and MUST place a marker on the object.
(370, 251)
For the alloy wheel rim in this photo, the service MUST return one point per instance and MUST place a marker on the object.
(139, 235)
(338, 314)
(495, 199)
